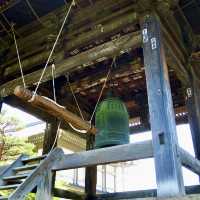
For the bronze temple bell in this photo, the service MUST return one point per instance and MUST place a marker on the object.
(112, 122)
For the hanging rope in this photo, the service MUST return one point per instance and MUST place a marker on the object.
(77, 130)
(34, 12)
(56, 138)
(99, 98)
(103, 87)
(19, 60)
(75, 99)
(53, 81)
(53, 48)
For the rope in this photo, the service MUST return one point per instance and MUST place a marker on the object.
(19, 60)
(53, 48)
(77, 130)
(7, 21)
(53, 81)
(75, 99)
(56, 138)
(34, 13)
(103, 87)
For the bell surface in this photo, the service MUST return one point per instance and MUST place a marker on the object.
(112, 122)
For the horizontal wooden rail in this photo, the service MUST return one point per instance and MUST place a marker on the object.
(189, 161)
(106, 155)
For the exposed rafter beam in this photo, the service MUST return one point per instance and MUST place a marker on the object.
(106, 50)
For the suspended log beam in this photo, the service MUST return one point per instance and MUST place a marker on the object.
(106, 50)
(54, 109)
(120, 153)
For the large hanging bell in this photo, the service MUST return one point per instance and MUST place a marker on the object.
(112, 122)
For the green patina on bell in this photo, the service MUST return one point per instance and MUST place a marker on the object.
(112, 122)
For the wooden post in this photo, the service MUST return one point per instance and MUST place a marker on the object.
(44, 189)
(90, 173)
(50, 141)
(193, 107)
(167, 163)
(50, 136)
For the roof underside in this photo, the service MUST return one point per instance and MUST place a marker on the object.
(127, 79)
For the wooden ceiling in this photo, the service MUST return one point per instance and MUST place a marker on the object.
(92, 23)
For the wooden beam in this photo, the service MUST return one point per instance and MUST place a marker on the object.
(120, 153)
(189, 161)
(106, 50)
(167, 163)
(194, 189)
(54, 109)
(109, 25)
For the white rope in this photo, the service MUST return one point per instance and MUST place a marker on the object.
(56, 138)
(53, 82)
(77, 130)
(103, 87)
(19, 60)
(53, 48)
(75, 99)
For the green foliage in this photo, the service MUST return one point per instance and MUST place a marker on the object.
(11, 147)
(14, 146)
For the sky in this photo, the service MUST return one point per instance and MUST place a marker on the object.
(139, 176)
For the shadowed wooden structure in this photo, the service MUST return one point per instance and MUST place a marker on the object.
(156, 48)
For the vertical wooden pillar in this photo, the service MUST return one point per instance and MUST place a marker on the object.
(193, 107)
(49, 141)
(90, 173)
(44, 189)
(167, 163)
(50, 136)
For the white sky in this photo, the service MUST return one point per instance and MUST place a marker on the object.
(139, 176)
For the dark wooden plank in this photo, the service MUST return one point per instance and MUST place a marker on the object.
(15, 177)
(128, 195)
(25, 167)
(7, 187)
(37, 158)
(168, 166)
(67, 194)
(120, 153)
